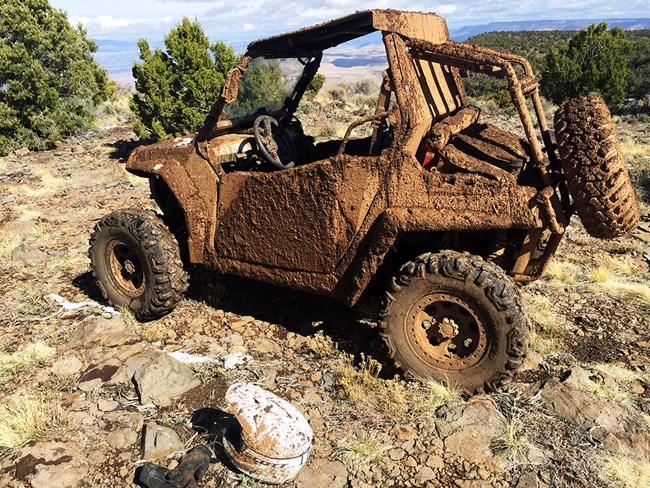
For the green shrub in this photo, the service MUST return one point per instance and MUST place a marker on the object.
(315, 85)
(595, 60)
(176, 88)
(49, 81)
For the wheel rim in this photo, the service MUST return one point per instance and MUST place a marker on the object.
(126, 268)
(447, 332)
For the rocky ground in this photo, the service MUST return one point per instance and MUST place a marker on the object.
(578, 415)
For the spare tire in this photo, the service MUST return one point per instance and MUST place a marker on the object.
(594, 168)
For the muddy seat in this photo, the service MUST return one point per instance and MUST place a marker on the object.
(458, 142)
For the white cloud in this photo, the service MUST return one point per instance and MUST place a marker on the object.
(248, 27)
(445, 9)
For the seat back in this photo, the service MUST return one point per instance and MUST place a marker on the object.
(442, 87)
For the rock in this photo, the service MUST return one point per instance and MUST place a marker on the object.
(637, 388)
(121, 438)
(20, 226)
(69, 365)
(48, 464)
(238, 323)
(435, 462)
(410, 462)
(528, 480)
(323, 473)
(95, 376)
(397, 454)
(162, 378)
(23, 151)
(130, 420)
(616, 426)
(405, 433)
(28, 254)
(472, 484)
(160, 442)
(425, 474)
(106, 333)
(266, 346)
(107, 405)
(469, 429)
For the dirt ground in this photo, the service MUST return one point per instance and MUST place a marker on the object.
(591, 344)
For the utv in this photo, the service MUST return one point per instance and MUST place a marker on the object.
(456, 210)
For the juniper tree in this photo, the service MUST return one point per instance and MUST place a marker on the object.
(595, 60)
(49, 81)
(176, 87)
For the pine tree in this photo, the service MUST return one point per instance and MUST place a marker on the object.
(49, 81)
(176, 88)
(595, 60)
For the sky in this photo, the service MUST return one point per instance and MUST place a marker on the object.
(240, 21)
(237, 22)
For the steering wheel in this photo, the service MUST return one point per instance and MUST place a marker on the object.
(274, 142)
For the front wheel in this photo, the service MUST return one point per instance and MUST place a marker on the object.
(136, 262)
(455, 317)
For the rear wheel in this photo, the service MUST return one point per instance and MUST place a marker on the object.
(455, 317)
(594, 168)
(137, 263)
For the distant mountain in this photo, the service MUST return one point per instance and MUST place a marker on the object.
(463, 33)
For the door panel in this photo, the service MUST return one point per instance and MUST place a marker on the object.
(302, 218)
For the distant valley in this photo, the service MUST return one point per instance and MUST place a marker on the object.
(354, 60)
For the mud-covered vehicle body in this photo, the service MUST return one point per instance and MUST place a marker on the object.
(455, 210)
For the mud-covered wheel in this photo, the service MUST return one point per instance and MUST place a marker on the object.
(455, 317)
(594, 168)
(136, 262)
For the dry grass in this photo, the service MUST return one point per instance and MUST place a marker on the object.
(513, 442)
(50, 184)
(616, 372)
(390, 398)
(540, 309)
(115, 111)
(563, 272)
(34, 305)
(627, 472)
(8, 242)
(612, 393)
(634, 149)
(607, 267)
(362, 450)
(547, 332)
(323, 346)
(155, 331)
(24, 422)
(33, 355)
(34, 417)
(638, 291)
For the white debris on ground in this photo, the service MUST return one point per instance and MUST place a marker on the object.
(68, 305)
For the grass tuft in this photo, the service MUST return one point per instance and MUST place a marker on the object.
(563, 272)
(638, 291)
(361, 451)
(540, 309)
(33, 355)
(627, 472)
(323, 346)
(8, 242)
(25, 422)
(393, 398)
(154, 331)
(513, 442)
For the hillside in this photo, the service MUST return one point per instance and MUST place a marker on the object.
(534, 45)
(576, 415)
(464, 33)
